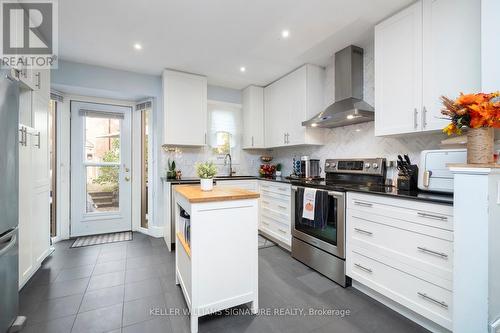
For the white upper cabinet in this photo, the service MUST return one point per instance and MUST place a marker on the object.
(421, 53)
(288, 102)
(398, 72)
(185, 108)
(452, 54)
(253, 117)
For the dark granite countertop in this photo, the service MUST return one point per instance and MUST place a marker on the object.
(441, 198)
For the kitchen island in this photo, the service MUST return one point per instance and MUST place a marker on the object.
(216, 257)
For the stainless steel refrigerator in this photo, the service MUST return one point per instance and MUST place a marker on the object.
(9, 191)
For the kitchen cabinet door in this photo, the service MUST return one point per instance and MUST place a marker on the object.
(185, 102)
(294, 105)
(253, 117)
(398, 72)
(275, 118)
(451, 55)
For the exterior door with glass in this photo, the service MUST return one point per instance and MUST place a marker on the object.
(101, 153)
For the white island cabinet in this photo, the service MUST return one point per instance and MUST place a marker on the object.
(216, 258)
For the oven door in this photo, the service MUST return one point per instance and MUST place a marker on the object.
(330, 238)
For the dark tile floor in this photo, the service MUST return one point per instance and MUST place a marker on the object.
(112, 287)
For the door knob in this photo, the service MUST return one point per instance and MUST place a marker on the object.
(127, 178)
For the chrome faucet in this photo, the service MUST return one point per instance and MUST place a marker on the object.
(230, 164)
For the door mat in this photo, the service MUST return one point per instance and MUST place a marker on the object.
(265, 243)
(102, 239)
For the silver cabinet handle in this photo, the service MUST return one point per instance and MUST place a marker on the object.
(433, 300)
(364, 231)
(252, 140)
(287, 137)
(38, 81)
(264, 222)
(265, 202)
(205, 138)
(24, 136)
(427, 177)
(439, 254)
(282, 231)
(282, 207)
(432, 216)
(415, 115)
(424, 116)
(363, 204)
(282, 188)
(363, 268)
(38, 145)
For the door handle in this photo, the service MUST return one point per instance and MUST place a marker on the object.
(38, 145)
(415, 115)
(127, 178)
(10, 245)
(424, 116)
(427, 177)
(38, 81)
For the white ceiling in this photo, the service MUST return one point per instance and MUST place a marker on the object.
(216, 37)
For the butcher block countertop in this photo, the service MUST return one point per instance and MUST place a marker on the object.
(194, 194)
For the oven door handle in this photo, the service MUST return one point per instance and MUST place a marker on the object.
(330, 193)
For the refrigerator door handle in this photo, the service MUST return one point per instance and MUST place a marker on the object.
(11, 244)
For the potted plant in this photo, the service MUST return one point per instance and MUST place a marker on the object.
(171, 172)
(278, 170)
(480, 113)
(206, 171)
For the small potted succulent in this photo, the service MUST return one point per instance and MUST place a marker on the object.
(278, 170)
(171, 172)
(206, 171)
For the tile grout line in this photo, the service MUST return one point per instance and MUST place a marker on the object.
(88, 283)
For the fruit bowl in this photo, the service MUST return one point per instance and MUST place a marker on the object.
(267, 170)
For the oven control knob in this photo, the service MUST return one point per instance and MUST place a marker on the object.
(327, 165)
(367, 165)
(333, 165)
(375, 165)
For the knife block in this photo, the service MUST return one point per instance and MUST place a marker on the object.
(409, 181)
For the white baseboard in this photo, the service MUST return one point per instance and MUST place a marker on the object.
(413, 316)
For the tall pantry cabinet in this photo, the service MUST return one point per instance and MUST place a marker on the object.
(34, 177)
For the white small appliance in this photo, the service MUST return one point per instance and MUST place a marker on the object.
(434, 174)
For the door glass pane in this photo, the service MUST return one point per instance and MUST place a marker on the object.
(102, 188)
(102, 139)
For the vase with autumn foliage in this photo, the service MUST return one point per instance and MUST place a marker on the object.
(480, 114)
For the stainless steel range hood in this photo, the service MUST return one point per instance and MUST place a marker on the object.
(349, 107)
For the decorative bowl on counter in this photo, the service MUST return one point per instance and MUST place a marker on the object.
(266, 159)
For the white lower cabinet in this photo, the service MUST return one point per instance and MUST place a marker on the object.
(403, 250)
(275, 211)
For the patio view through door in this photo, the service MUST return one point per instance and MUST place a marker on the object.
(100, 168)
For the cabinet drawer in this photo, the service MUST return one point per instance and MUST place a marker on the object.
(429, 300)
(433, 215)
(280, 206)
(276, 229)
(274, 187)
(427, 257)
(276, 217)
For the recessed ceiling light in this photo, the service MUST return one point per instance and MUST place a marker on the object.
(285, 34)
(242, 69)
(358, 130)
(137, 46)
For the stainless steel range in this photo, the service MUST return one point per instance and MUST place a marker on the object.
(322, 245)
